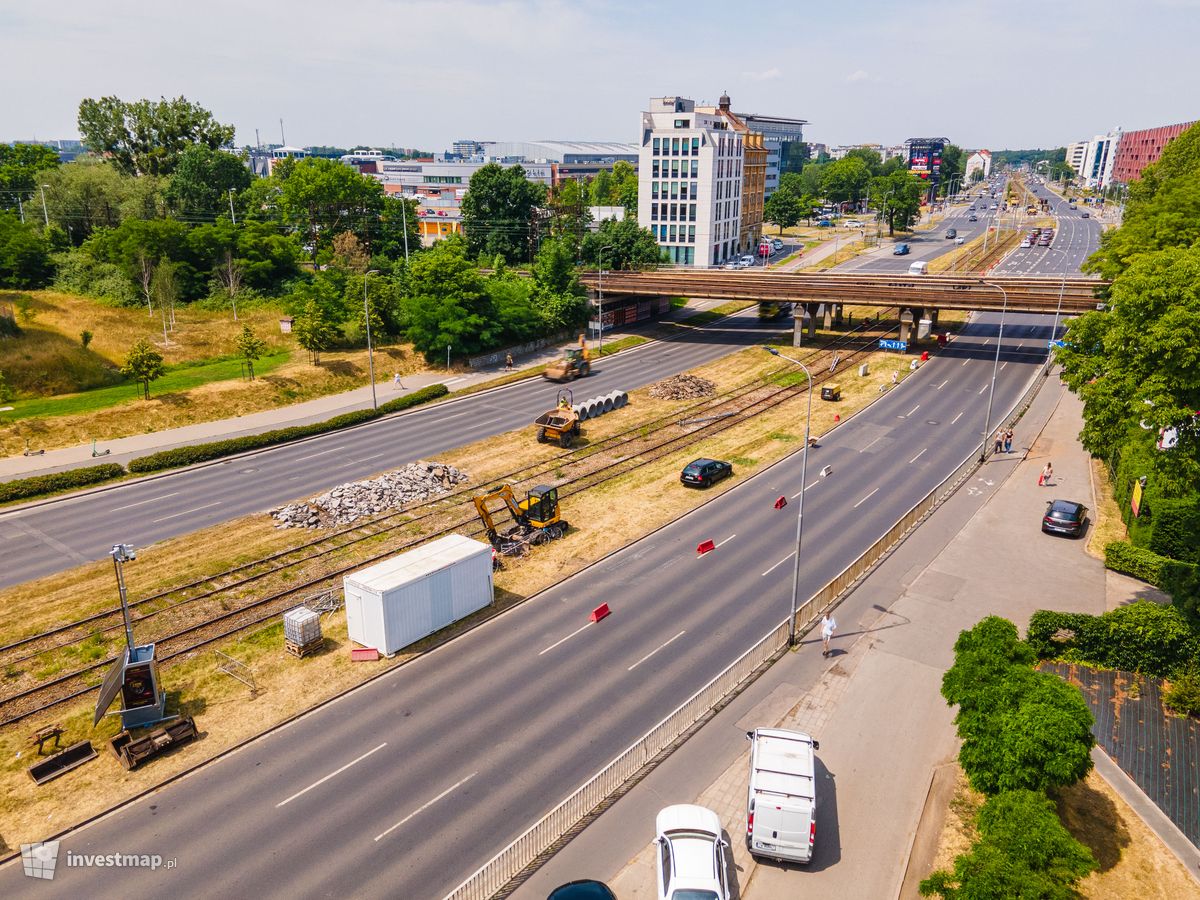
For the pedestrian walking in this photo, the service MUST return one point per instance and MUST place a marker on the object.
(999, 440)
(895, 378)
(828, 627)
(397, 382)
(1047, 474)
(1008, 436)
(507, 362)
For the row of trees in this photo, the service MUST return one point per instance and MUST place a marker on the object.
(1023, 733)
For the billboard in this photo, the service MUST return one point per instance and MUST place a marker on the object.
(925, 157)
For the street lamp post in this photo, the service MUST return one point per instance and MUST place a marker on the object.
(370, 349)
(600, 319)
(800, 506)
(987, 420)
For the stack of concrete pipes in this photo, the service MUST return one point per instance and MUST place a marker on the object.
(598, 406)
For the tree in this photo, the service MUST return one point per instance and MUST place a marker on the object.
(24, 254)
(845, 179)
(229, 273)
(147, 137)
(873, 160)
(314, 332)
(497, 213)
(448, 304)
(82, 196)
(898, 197)
(349, 253)
(954, 165)
(624, 189)
(628, 246)
(164, 287)
(569, 215)
(20, 166)
(323, 198)
(782, 209)
(250, 348)
(143, 364)
(203, 180)
(560, 297)
(5, 391)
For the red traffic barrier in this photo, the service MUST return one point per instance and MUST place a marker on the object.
(836, 417)
(599, 613)
(781, 502)
(705, 546)
(924, 356)
(364, 654)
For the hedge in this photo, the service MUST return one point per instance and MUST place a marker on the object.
(1176, 531)
(1141, 637)
(24, 488)
(1144, 565)
(198, 453)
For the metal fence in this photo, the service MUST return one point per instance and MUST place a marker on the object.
(493, 876)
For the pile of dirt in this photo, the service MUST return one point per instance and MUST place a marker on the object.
(682, 387)
(347, 503)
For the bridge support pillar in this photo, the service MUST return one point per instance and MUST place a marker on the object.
(906, 324)
(810, 319)
(828, 307)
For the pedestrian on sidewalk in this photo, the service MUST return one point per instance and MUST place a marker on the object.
(507, 362)
(895, 378)
(828, 627)
(397, 382)
(1000, 440)
(1047, 474)
(1008, 436)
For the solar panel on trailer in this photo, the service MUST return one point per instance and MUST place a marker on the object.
(110, 687)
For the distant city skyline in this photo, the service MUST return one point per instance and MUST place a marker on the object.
(424, 74)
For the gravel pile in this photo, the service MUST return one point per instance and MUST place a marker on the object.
(350, 502)
(682, 387)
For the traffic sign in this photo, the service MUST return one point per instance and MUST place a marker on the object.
(885, 344)
(1051, 345)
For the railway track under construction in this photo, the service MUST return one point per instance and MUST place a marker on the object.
(44, 670)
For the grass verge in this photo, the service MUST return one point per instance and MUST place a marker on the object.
(1107, 524)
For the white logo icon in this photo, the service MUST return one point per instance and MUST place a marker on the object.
(39, 859)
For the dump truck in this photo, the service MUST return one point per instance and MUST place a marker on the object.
(575, 363)
(536, 519)
(561, 424)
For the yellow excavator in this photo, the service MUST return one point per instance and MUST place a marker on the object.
(575, 363)
(536, 519)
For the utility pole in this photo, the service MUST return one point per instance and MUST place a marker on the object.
(370, 351)
(232, 214)
(45, 212)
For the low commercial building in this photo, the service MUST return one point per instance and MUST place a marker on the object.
(1139, 149)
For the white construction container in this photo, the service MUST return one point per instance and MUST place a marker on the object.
(403, 599)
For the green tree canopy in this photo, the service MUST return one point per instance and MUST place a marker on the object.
(322, 198)
(782, 209)
(448, 304)
(898, 198)
(557, 291)
(143, 364)
(250, 347)
(845, 179)
(147, 137)
(24, 254)
(497, 213)
(203, 178)
(20, 166)
(622, 244)
(314, 331)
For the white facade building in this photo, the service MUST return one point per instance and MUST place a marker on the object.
(979, 161)
(690, 182)
(1075, 154)
(1098, 157)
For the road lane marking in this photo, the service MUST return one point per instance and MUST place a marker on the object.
(778, 564)
(868, 447)
(988, 341)
(426, 806)
(330, 775)
(186, 512)
(982, 389)
(144, 502)
(652, 652)
(1003, 364)
(913, 410)
(943, 384)
(369, 458)
(567, 638)
(964, 362)
(865, 499)
(808, 488)
(718, 544)
(918, 456)
(956, 418)
(315, 455)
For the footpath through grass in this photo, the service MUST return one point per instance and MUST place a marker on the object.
(177, 378)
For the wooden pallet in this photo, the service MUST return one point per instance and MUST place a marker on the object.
(303, 650)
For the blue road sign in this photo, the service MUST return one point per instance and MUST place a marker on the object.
(1050, 345)
(885, 344)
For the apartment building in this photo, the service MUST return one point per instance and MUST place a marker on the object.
(1139, 149)
(690, 170)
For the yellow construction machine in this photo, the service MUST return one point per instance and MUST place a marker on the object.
(535, 519)
(575, 363)
(561, 424)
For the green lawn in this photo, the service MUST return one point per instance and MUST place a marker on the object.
(177, 378)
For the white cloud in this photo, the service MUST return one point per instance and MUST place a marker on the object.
(857, 75)
(765, 75)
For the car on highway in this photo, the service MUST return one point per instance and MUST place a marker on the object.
(852, 223)
(691, 854)
(1064, 517)
(901, 250)
(1085, 214)
(959, 240)
(951, 232)
(1026, 244)
(705, 472)
(972, 218)
(584, 889)
(777, 244)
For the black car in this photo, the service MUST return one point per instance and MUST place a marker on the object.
(705, 472)
(584, 889)
(972, 218)
(1064, 517)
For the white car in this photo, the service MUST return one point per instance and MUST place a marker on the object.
(960, 240)
(746, 261)
(853, 223)
(691, 854)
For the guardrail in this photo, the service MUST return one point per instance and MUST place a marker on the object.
(496, 876)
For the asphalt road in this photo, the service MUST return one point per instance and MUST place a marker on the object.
(1075, 239)
(407, 785)
(45, 539)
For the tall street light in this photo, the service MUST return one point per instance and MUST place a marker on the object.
(987, 420)
(600, 321)
(803, 482)
(370, 350)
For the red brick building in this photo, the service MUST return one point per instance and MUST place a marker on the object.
(1137, 149)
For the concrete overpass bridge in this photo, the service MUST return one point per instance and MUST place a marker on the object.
(917, 296)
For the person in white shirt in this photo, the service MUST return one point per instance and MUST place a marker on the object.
(828, 626)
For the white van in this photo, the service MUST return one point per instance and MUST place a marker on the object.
(781, 817)
(920, 267)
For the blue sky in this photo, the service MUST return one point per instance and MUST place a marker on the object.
(985, 74)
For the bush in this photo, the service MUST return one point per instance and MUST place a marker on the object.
(198, 453)
(1176, 531)
(1127, 559)
(1183, 694)
(1141, 637)
(24, 488)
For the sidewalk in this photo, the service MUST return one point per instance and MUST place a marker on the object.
(876, 705)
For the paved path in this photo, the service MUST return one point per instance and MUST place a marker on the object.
(875, 706)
